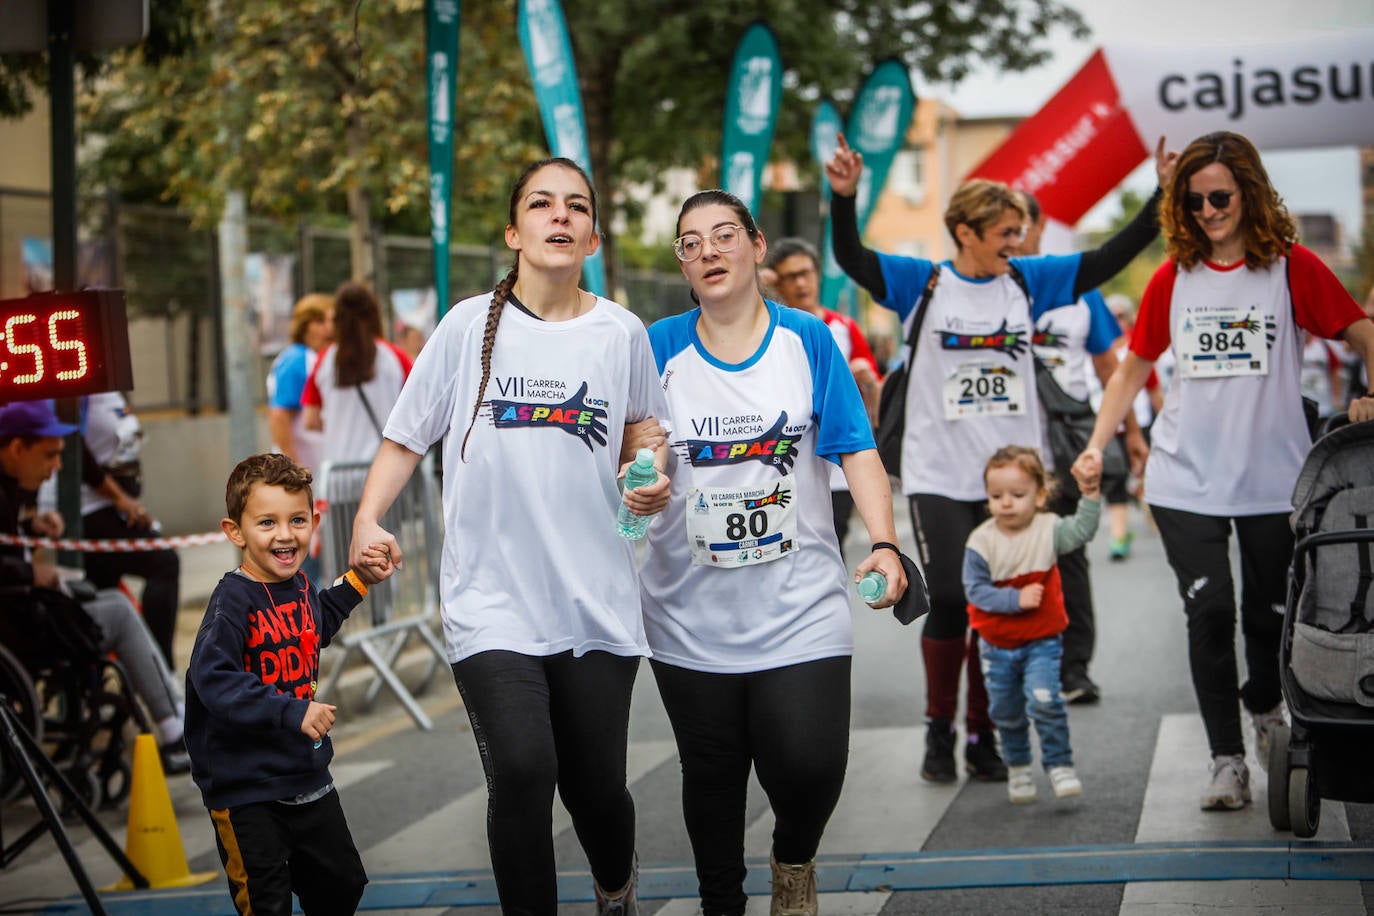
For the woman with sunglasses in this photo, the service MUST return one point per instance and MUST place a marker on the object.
(971, 390)
(1232, 300)
(746, 603)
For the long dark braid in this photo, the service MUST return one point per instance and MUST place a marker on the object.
(503, 289)
(494, 310)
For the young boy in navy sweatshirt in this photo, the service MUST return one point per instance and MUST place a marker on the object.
(258, 739)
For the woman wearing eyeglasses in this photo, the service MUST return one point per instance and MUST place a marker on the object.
(746, 604)
(1232, 301)
(971, 390)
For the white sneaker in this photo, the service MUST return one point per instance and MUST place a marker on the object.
(1065, 782)
(1020, 785)
(1265, 723)
(1229, 788)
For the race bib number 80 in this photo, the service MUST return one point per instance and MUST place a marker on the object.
(742, 526)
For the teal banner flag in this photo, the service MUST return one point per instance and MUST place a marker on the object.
(441, 72)
(751, 114)
(877, 128)
(548, 54)
(825, 125)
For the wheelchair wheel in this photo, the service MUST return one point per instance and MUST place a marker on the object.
(17, 687)
(116, 778)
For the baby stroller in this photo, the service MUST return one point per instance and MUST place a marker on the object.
(71, 697)
(1326, 656)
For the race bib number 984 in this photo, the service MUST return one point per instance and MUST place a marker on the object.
(742, 526)
(1222, 343)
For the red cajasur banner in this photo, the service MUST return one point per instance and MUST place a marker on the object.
(1306, 92)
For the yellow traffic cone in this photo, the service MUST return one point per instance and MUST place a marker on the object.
(154, 842)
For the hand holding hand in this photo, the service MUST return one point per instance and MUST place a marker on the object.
(1031, 595)
(845, 168)
(1087, 472)
(376, 564)
(371, 540)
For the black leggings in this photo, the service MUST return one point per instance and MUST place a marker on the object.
(1081, 636)
(1197, 548)
(942, 525)
(792, 725)
(542, 722)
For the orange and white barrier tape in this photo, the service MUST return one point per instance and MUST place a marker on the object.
(113, 546)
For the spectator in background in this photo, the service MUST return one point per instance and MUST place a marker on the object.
(1117, 492)
(1073, 342)
(312, 328)
(356, 381)
(111, 484)
(796, 269)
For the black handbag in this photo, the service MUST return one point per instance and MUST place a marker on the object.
(1069, 425)
(892, 401)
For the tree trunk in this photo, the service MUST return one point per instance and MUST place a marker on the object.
(361, 232)
(598, 101)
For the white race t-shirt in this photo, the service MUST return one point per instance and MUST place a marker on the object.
(349, 432)
(532, 562)
(743, 571)
(1232, 444)
(972, 388)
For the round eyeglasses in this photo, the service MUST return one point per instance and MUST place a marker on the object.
(1219, 200)
(723, 238)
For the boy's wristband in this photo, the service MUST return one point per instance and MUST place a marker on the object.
(352, 579)
(884, 545)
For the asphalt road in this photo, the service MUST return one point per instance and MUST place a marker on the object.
(1134, 843)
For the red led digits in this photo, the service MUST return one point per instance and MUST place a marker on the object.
(73, 343)
(58, 345)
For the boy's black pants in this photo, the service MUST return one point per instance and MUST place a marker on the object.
(270, 849)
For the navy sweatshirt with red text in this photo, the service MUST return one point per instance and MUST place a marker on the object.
(252, 676)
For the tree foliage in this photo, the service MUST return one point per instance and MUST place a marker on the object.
(1132, 279)
(264, 101)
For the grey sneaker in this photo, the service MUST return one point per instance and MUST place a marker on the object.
(623, 903)
(1066, 782)
(794, 889)
(1229, 788)
(1265, 723)
(1020, 785)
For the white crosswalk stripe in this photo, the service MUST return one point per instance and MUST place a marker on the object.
(1178, 775)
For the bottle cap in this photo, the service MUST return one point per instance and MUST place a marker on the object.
(872, 586)
(644, 457)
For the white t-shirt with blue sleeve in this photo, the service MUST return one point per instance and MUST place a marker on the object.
(743, 572)
(972, 385)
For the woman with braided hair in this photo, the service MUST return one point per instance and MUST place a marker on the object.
(532, 386)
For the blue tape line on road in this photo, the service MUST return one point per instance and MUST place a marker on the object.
(902, 871)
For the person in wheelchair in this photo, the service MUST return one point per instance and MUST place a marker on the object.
(30, 451)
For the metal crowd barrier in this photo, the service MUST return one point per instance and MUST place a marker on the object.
(405, 605)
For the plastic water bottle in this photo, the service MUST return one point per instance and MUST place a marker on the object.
(872, 587)
(639, 474)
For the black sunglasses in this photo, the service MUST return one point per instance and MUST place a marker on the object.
(1219, 200)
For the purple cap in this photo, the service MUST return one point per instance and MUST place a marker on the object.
(31, 418)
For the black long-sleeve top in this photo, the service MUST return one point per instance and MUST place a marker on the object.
(1095, 267)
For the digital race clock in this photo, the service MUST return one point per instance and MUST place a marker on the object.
(59, 345)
